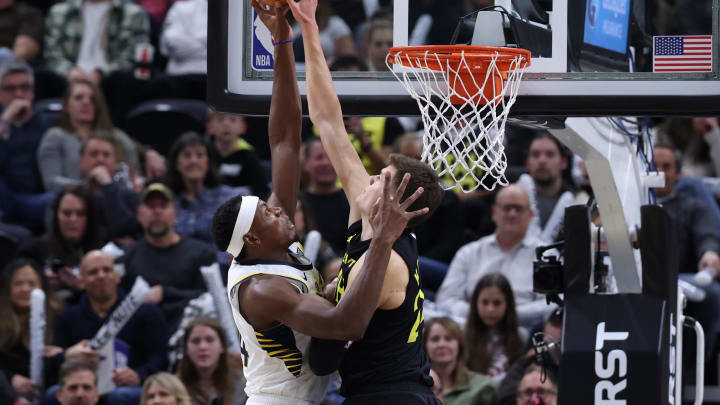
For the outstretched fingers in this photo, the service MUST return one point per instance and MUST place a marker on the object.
(377, 207)
(408, 201)
(386, 178)
(295, 9)
(303, 10)
(414, 214)
(403, 185)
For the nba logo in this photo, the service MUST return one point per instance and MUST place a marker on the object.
(262, 46)
(592, 11)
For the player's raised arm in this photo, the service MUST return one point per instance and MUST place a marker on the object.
(313, 315)
(325, 110)
(285, 111)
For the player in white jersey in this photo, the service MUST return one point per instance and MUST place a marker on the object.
(274, 292)
(273, 288)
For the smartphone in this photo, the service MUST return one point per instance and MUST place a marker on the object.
(56, 265)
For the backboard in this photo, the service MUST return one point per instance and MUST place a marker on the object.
(590, 57)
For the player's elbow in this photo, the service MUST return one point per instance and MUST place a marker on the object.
(347, 328)
(324, 116)
(354, 331)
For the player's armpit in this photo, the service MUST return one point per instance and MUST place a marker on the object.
(395, 283)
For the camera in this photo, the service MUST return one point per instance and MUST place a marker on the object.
(548, 274)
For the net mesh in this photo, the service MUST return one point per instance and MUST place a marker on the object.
(464, 111)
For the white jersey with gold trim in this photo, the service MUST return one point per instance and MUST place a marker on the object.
(275, 360)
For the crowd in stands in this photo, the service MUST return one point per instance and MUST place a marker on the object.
(88, 206)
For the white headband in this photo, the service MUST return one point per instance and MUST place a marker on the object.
(242, 224)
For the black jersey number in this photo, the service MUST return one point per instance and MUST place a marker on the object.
(244, 353)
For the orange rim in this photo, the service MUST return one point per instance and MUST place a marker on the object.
(478, 57)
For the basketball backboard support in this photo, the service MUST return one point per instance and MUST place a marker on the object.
(240, 60)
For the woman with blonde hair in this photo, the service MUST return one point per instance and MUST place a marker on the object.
(164, 389)
(445, 345)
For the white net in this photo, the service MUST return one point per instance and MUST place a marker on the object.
(463, 112)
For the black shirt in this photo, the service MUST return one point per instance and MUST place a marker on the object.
(391, 351)
(330, 213)
(242, 169)
(18, 156)
(176, 268)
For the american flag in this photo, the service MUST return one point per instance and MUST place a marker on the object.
(682, 53)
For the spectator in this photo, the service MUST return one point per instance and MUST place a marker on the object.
(510, 251)
(698, 243)
(323, 198)
(167, 261)
(19, 278)
(698, 139)
(144, 337)
(441, 236)
(211, 374)
(326, 260)
(84, 112)
(184, 42)
(192, 176)
(164, 388)
(550, 192)
(493, 338)
(445, 344)
(75, 230)
(534, 389)
(335, 35)
(239, 166)
(22, 200)
(552, 333)
(110, 185)
(379, 41)
(92, 39)
(21, 30)
(78, 383)
(384, 14)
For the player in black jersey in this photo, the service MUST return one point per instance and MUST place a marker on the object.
(389, 364)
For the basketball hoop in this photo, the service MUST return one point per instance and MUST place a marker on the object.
(464, 94)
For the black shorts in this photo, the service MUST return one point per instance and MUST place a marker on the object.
(395, 394)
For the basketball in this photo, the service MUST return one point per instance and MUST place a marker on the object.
(273, 3)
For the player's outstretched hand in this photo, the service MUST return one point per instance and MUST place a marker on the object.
(390, 216)
(303, 10)
(274, 19)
